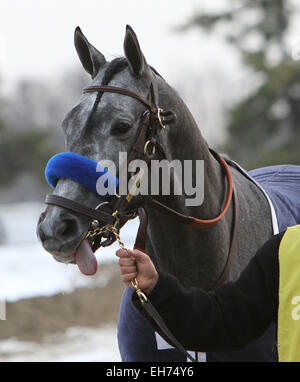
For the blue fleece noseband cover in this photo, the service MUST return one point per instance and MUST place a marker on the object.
(80, 169)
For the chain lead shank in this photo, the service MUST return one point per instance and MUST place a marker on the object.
(112, 228)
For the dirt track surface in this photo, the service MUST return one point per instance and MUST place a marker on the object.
(32, 319)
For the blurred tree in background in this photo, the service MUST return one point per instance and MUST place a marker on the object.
(30, 132)
(22, 151)
(264, 127)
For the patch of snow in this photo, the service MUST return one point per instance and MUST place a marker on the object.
(77, 344)
(27, 270)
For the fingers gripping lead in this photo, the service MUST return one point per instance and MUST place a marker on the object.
(128, 266)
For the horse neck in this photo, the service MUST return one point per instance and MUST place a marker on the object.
(184, 141)
(195, 256)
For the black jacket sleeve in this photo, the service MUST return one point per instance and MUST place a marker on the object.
(228, 318)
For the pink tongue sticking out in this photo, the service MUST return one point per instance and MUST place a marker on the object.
(85, 259)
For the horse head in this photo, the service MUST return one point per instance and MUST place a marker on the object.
(99, 127)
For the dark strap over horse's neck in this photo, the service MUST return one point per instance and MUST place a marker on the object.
(140, 239)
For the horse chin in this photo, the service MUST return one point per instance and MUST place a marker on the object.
(65, 256)
(61, 252)
(82, 256)
(70, 259)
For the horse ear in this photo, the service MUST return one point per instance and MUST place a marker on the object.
(133, 53)
(89, 56)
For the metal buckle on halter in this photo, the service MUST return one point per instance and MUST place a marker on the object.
(117, 219)
(94, 226)
(146, 146)
(95, 230)
(159, 117)
(111, 230)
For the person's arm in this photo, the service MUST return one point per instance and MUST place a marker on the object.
(235, 314)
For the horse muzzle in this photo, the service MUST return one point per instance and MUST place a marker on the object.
(61, 232)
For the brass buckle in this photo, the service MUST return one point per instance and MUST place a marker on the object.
(111, 228)
(160, 118)
(135, 185)
(146, 145)
(141, 295)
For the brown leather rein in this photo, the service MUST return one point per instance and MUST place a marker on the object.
(145, 147)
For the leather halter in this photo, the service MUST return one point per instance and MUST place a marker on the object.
(147, 135)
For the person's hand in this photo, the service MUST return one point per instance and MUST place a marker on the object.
(136, 264)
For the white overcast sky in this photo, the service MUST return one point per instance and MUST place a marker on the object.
(36, 41)
(36, 36)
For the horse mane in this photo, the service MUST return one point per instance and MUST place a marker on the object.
(114, 67)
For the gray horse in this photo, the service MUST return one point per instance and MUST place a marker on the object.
(100, 129)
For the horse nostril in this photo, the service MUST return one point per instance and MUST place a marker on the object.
(66, 228)
(60, 229)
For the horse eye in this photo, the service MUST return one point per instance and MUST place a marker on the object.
(120, 128)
